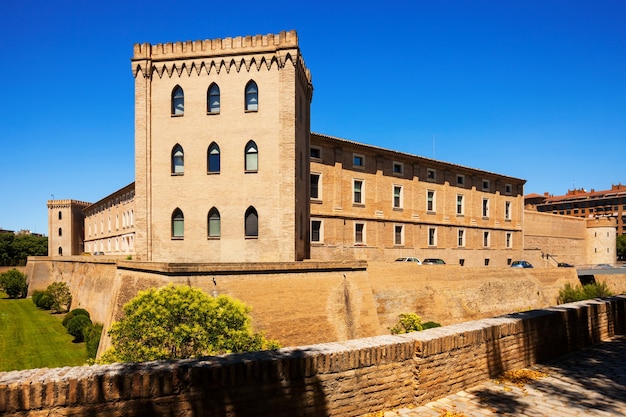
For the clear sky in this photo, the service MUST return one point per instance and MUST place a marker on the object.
(530, 89)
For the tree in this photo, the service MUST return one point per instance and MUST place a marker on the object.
(61, 296)
(621, 247)
(13, 282)
(6, 248)
(176, 322)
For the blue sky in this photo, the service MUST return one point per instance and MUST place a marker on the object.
(530, 89)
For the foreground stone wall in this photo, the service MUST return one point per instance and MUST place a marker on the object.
(351, 378)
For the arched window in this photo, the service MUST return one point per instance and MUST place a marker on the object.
(252, 157)
(251, 223)
(213, 158)
(252, 96)
(178, 224)
(60, 231)
(60, 215)
(178, 101)
(178, 160)
(214, 223)
(213, 99)
(60, 251)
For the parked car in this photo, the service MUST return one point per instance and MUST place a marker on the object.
(409, 259)
(98, 253)
(602, 266)
(565, 265)
(433, 261)
(521, 264)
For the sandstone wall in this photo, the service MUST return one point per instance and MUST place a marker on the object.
(351, 378)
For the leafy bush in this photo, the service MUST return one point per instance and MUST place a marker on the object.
(44, 301)
(61, 296)
(73, 313)
(569, 293)
(92, 339)
(13, 282)
(76, 327)
(176, 322)
(430, 325)
(407, 322)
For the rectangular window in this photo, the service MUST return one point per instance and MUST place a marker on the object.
(358, 160)
(398, 234)
(509, 240)
(507, 210)
(508, 189)
(486, 185)
(431, 174)
(485, 207)
(460, 180)
(398, 168)
(316, 153)
(432, 236)
(357, 191)
(359, 233)
(316, 231)
(430, 200)
(486, 239)
(460, 204)
(461, 238)
(397, 196)
(315, 186)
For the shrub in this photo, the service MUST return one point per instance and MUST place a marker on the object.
(407, 322)
(73, 313)
(61, 296)
(430, 325)
(92, 339)
(45, 301)
(76, 327)
(37, 296)
(570, 294)
(13, 282)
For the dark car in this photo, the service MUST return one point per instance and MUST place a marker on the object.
(565, 265)
(433, 261)
(521, 264)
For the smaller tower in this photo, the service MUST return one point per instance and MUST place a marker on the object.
(65, 227)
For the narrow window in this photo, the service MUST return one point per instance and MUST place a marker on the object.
(251, 222)
(486, 185)
(507, 210)
(359, 233)
(213, 158)
(432, 236)
(213, 99)
(486, 236)
(214, 223)
(397, 196)
(178, 224)
(315, 186)
(430, 200)
(60, 251)
(509, 240)
(460, 206)
(357, 192)
(508, 189)
(252, 157)
(398, 234)
(178, 160)
(485, 207)
(60, 231)
(252, 96)
(461, 238)
(316, 231)
(178, 101)
(60, 215)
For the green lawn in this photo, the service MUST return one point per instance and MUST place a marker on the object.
(34, 338)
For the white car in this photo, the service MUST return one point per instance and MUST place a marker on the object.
(409, 259)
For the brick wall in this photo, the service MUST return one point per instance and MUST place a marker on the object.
(349, 378)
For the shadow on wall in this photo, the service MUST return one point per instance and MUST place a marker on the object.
(285, 385)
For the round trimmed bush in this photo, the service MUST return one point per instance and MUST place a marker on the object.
(45, 301)
(74, 313)
(76, 327)
(37, 296)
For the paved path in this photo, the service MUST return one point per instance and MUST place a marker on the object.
(590, 382)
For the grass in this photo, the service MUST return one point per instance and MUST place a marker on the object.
(33, 338)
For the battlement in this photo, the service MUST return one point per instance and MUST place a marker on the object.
(54, 204)
(216, 47)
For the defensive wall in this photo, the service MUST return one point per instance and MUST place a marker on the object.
(350, 378)
(303, 303)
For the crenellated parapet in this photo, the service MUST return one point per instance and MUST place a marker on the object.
(58, 204)
(241, 53)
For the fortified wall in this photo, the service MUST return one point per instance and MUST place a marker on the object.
(351, 378)
(302, 303)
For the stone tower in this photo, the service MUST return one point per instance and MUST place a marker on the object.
(65, 227)
(222, 132)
